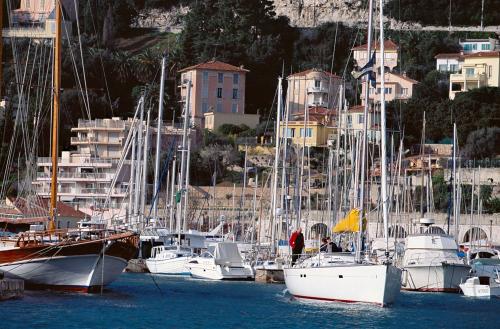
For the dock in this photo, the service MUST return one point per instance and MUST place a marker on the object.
(137, 265)
(11, 288)
(269, 276)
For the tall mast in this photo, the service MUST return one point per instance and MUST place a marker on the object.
(55, 115)
(158, 135)
(383, 128)
(275, 169)
(422, 150)
(1, 47)
(182, 183)
(454, 179)
(365, 128)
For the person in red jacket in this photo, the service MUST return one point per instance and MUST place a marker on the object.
(297, 243)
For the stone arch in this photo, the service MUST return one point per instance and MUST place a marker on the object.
(397, 231)
(474, 234)
(435, 230)
(319, 229)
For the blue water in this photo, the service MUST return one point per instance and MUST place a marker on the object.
(135, 301)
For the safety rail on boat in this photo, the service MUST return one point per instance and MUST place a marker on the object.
(432, 259)
(341, 257)
(59, 235)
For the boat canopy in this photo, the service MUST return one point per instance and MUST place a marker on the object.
(227, 253)
(350, 223)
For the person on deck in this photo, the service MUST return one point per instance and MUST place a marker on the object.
(324, 245)
(297, 244)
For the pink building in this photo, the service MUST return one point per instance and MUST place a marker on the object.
(35, 12)
(312, 88)
(215, 87)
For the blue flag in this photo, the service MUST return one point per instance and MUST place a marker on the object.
(367, 69)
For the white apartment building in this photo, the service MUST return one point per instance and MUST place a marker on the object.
(470, 46)
(85, 175)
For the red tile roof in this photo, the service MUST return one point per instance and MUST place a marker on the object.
(484, 54)
(306, 72)
(449, 55)
(403, 77)
(215, 66)
(388, 45)
(40, 207)
(357, 109)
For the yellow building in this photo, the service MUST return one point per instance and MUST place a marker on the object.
(213, 120)
(317, 130)
(480, 69)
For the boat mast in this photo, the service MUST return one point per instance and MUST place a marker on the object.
(455, 196)
(422, 151)
(158, 135)
(55, 115)
(275, 169)
(1, 47)
(365, 128)
(383, 129)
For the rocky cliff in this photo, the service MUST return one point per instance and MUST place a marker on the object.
(311, 13)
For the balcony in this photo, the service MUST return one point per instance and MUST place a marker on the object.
(321, 89)
(100, 124)
(461, 77)
(77, 162)
(92, 140)
(73, 177)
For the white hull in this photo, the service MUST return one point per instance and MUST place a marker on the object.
(78, 273)
(474, 288)
(435, 278)
(365, 283)
(174, 266)
(211, 271)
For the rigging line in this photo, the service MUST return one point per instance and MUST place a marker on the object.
(13, 144)
(100, 60)
(77, 74)
(82, 58)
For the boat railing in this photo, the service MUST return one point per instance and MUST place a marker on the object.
(433, 258)
(30, 238)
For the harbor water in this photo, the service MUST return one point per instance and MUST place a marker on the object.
(146, 301)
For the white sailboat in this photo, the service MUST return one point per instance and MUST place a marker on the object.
(349, 279)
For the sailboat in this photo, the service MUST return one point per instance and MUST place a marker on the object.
(345, 279)
(78, 260)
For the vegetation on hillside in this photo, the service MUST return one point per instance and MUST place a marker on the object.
(439, 13)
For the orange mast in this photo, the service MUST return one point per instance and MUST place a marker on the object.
(55, 115)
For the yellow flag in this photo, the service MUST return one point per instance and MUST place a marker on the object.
(350, 223)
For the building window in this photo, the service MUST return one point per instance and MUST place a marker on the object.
(490, 71)
(236, 78)
(349, 120)
(219, 107)
(443, 67)
(453, 68)
(219, 92)
(220, 77)
(235, 93)
(404, 91)
(485, 46)
(469, 71)
(361, 118)
(308, 132)
(204, 107)
(205, 77)
(290, 132)
(317, 83)
(234, 108)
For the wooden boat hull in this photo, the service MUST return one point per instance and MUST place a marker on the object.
(78, 266)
